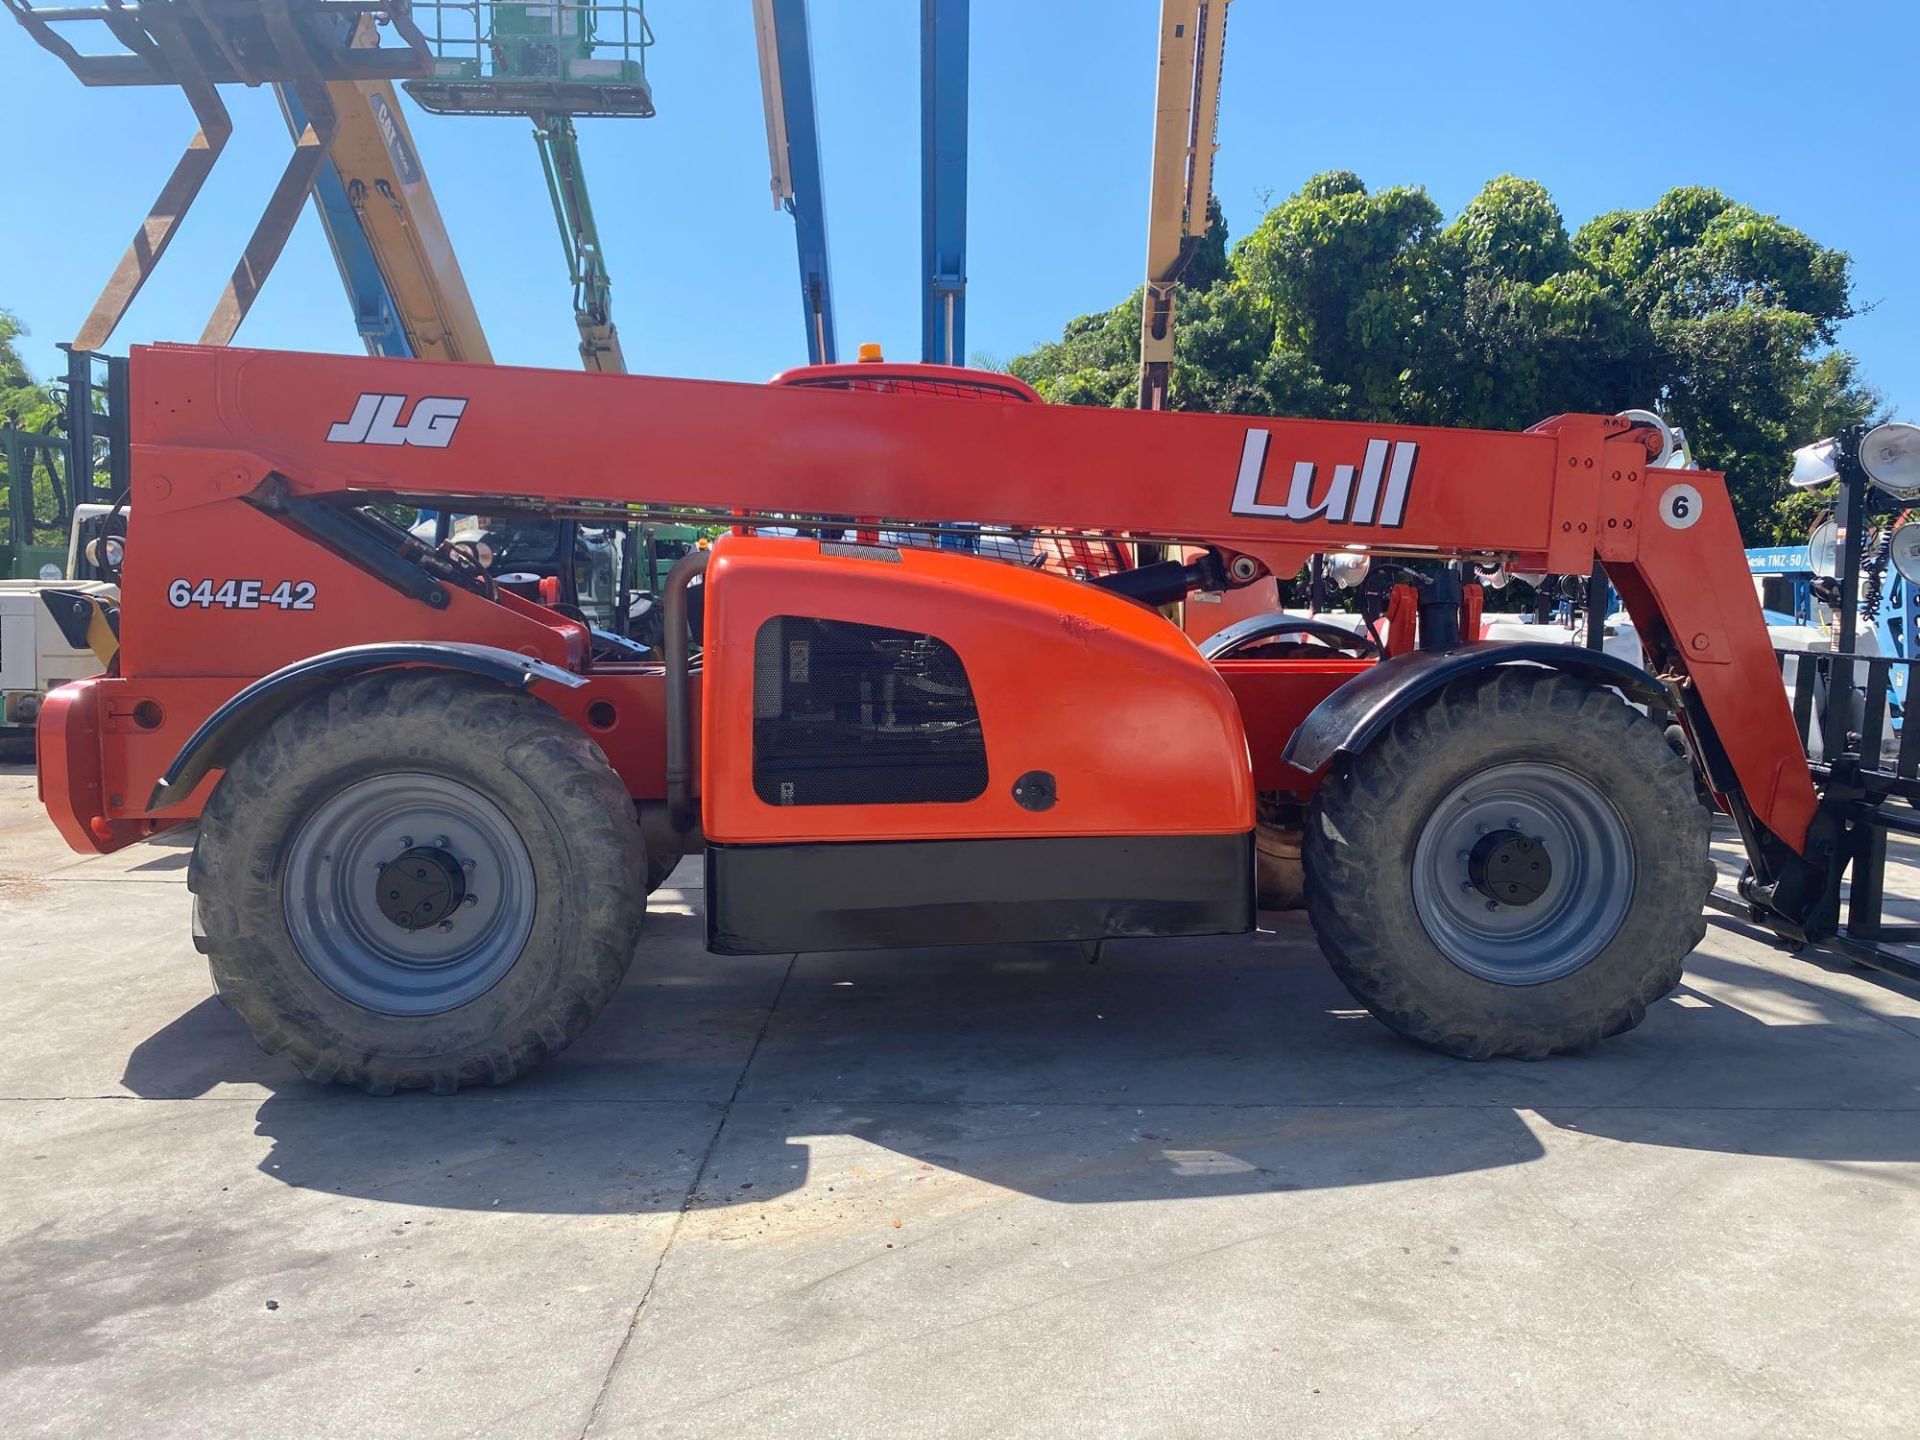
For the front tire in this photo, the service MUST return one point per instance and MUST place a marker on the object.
(418, 881)
(1517, 867)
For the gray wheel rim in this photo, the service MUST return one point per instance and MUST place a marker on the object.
(330, 894)
(1582, 905)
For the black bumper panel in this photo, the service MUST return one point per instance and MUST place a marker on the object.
(770, 899)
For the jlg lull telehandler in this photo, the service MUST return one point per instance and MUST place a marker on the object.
(431, 808)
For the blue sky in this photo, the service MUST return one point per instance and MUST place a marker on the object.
(1804, 110)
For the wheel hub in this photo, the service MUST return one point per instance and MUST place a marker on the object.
(408, 893)
(421, 888)
(1509, 867)
(1523, 873)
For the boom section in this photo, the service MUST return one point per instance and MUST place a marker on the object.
(552, 437)
(377, 206)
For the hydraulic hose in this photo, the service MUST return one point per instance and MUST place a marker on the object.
(1874, 567)
(677, 643)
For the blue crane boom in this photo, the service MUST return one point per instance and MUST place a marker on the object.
(377, 207)
(374, 315)
(943, 181)
(793, 152)
(793, 149)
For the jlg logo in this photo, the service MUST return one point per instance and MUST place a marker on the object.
(1378, 498)
(376, 421)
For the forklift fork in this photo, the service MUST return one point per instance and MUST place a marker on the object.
(200, 45)
(183, 185)
(296, 181)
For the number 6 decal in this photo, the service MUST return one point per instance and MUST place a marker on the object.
(1680, 506)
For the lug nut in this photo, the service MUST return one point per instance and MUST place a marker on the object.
(1466, 887)
(440, 842)
(467, 865)
(1493, 904)
(1513, 822)
(471, 901)
(406, 842)
(446, 924)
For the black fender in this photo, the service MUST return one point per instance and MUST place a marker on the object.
(226, 731)
(1351, 717)
(1273, 626)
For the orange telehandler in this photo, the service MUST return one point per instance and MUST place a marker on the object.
(431, 806)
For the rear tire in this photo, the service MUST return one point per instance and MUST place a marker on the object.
(1433, 954)
(660, 868)
(526, 842)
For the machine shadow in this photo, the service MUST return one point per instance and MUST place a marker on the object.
(1169, 1070)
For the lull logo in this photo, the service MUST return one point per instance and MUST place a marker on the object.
(376, 421)
(1345, 501)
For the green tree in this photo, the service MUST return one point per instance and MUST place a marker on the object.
(23, 402)
(1527, 330)
(1096, 360)
(1352, 290)
(1736, 314)
(1349, 304)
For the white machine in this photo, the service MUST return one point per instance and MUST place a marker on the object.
(51, 630)
(36, 652)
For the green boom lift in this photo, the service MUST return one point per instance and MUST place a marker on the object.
(549, 62)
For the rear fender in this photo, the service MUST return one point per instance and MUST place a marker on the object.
(1222, 644)
(226, 732)
(1353, 716)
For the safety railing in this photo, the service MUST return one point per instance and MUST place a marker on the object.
(1846, 708)
(36, 502)
(46, 474)
(573, 57)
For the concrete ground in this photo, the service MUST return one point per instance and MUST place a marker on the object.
(1189, 1191)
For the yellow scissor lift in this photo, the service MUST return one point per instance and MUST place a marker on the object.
(332, 66)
